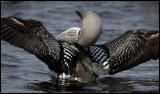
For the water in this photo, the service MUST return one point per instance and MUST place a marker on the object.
(23, 72)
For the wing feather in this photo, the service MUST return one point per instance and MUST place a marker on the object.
(30, 35)
(33, 37)
(137, 47)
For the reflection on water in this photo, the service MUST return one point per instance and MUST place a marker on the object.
(107, 84)
(23, 72)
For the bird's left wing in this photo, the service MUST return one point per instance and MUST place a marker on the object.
(133, 48)
(128, 50)
(33, 37)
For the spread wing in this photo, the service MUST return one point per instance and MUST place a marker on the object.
(132, 48)
(33, 37)
(128, 50)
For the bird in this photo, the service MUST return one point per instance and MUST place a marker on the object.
(74, 53)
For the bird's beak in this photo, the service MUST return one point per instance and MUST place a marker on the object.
(79, 14)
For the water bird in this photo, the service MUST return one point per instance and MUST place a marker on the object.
(74, 53)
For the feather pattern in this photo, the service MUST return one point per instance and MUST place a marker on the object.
(132, 48)
(33, 37)
(128, 50)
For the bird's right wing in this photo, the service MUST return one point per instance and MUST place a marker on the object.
(33, 37)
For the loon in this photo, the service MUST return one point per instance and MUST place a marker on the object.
(74, 53)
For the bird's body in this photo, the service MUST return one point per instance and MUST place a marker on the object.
(74, 54)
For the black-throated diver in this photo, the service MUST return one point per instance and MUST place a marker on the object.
(130, 49)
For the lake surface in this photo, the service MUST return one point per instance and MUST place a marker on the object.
(22, 72)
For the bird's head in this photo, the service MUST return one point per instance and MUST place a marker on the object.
(85, 36)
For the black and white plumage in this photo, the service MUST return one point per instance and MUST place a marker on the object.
(60, 54)
(130, 49)
(33, 37)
